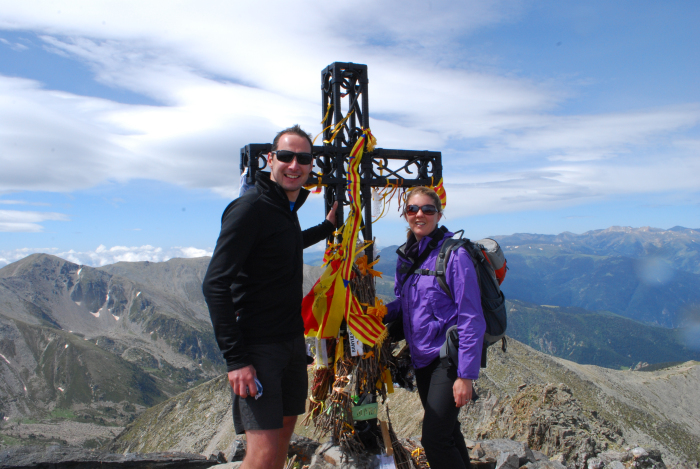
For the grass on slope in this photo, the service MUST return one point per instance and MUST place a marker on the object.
(594, 338)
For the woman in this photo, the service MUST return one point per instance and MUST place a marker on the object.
(427, 313)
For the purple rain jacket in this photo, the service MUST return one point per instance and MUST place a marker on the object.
(428, 311)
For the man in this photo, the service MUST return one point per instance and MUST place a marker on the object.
(253, 288)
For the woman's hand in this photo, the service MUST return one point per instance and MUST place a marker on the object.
(462, 391)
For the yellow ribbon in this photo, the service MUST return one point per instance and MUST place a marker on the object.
(338, 128)
(379, 309)
(367, 268)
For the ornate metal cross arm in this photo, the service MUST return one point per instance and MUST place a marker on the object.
(345, 114)
(380, 168)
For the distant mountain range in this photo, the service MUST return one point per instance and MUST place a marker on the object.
(646, 274)
(678, 247)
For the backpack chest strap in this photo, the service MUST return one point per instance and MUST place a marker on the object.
(433, 273)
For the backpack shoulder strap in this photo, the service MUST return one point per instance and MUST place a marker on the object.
(448, 247)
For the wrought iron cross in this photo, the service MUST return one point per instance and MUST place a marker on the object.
(344, 87)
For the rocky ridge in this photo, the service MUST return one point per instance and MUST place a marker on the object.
(308, 454)
(569, 412)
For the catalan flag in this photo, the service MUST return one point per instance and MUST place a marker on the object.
(440, 190)
(331, 299)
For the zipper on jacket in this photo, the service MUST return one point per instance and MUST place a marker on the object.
(407, 285)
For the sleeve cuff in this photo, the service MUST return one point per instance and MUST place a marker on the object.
(240, 363)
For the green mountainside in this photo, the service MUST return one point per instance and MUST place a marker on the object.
(84, 350)
(593, 282)
(595, 338)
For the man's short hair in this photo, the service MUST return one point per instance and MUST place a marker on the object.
(296, 130)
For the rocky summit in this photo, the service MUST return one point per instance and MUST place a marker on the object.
(577, 415)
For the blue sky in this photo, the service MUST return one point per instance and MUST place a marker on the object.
(121, 122)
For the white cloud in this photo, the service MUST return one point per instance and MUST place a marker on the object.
(21, 202)
(12, 255)
(15, 46)
(556, 186)
(51, 140)
(225, 80)
(103, 255)
(18, 221)
(580, 138)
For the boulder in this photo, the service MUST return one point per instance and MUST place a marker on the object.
(303, 448)
(477, 452)
(494, 448)
(507, 460)
(329, 456)
(609, 456)
(545, 464)
(237, 450)
(647, 459)
(639, 452)
(615, 465)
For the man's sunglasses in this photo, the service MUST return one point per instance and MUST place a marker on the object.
(286, 156)
(427, 209)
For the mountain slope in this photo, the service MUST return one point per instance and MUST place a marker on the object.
(601, 283)
(92, 340)
(647, 274)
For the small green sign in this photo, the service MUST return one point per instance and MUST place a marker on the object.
(365, 412)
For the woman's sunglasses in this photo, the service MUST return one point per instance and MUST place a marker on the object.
(286, 156)
(427, 209)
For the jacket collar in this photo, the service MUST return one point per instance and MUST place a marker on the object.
(275, 192)
(412, 248)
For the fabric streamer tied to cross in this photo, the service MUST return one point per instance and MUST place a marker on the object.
(331, 299)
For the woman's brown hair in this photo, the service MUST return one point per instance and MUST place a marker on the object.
(422, 190)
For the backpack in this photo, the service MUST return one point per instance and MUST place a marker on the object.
(490, 266)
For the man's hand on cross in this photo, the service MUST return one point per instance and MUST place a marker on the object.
(331, 215)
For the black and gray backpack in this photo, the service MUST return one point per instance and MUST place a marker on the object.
(490, 266)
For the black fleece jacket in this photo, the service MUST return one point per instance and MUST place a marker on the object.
(253, 285)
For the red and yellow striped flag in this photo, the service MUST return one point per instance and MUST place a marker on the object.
(331, 299)
(440, 190)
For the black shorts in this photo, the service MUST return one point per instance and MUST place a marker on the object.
(281, 369)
